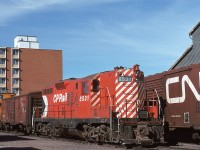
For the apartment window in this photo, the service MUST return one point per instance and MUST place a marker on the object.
(2, 61)
(2, 90)
(16, 91)
(2, 71)
(15, 72)
(15, 81)
(15, 61)
(2, 51)
(15, 51)
(2, 80)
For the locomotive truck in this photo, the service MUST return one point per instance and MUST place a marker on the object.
(103, 107)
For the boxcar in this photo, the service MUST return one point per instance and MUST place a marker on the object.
(18, 111)
(179, 90)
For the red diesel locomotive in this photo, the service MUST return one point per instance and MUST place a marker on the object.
(103, 107)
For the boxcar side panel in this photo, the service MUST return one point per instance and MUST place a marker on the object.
(21, 109)
(152, 83)
(8, 110)
(183, 97)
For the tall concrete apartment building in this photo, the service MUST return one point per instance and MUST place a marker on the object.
(27, 68)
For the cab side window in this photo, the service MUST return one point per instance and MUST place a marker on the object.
(85, 87)
(95, 85)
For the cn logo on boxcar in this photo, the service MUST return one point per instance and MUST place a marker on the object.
(185, 79)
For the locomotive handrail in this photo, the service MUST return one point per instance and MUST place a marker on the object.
(159, 107)
(119, 109)
(159, 103)
(111, 104)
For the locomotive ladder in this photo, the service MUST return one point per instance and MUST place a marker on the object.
(128, 101)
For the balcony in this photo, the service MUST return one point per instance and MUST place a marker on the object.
(15, 66)
(15, 75)
(2, 85)
(15, 85)
(15, 56)
(2, 55)
(3, 75)
(2, 65)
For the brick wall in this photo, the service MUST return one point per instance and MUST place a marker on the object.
(39, 68)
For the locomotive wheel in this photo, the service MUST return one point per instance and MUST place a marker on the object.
(28, 130)
(1, 125)
(38, 129)
(48, 128)
(196, 138)
(100, 139)
(7, 127)
(51, 133)
(57, 132)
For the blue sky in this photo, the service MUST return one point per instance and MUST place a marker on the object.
(97, 35)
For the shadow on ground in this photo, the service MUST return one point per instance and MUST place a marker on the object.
(8, 138)
(18, 148)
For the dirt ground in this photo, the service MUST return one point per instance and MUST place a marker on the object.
(11, 141)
